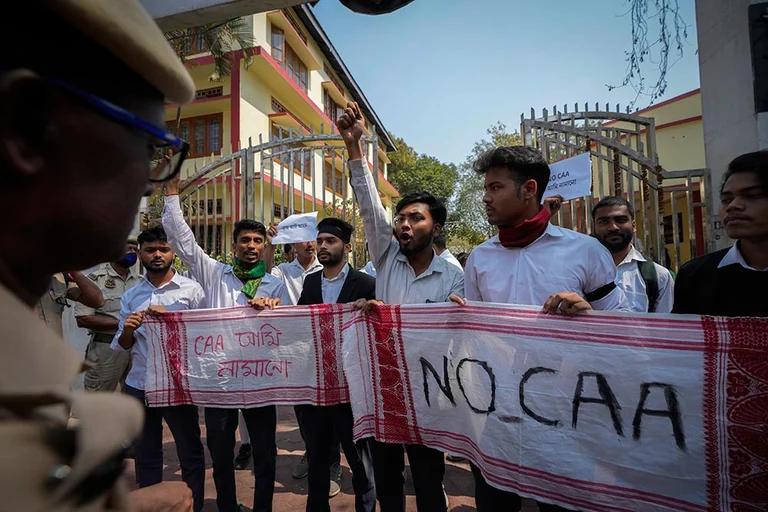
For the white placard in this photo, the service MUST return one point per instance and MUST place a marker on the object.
(570, 178)
(300, 227)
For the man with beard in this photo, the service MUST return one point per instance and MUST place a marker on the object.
(245, 282)
(162, 289)
(107, 368)
(649, 287)
(76, 156)
(408, 272)
(730, 282)
(532, 262)
(324, 427)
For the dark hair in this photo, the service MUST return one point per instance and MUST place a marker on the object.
(436, 208)
(612, 202)
(248, 225)
(153, 234)
(756, 162)
(287, 248)
(523, 163)
(462, 257)
(440, 240)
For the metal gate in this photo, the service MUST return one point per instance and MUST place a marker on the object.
(668, 204)
(299, 173)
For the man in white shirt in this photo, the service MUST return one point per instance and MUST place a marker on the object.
(439, 244)
(408, 272)
(245, 282)
(649, 287)
(532, 262)
(162, 289)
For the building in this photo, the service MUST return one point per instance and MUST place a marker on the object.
(291, 83)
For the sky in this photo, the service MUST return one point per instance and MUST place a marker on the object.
(440, 72)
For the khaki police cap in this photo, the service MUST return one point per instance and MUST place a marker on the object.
(133, 240)
(127, 31)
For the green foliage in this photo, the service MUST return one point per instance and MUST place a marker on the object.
(358, 257)
(410, 172)
(467, 223)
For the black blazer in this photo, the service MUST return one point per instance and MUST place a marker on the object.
(356, 286)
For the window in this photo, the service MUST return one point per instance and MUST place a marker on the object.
(288, 59)
(214, 240)
(333, 77)
(195, 41)
(204, 134)
(332, 109)
(209, 206)
(302, 159)
(332, 178)
(277, 211)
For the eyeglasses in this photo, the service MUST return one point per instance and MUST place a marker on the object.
(166, 150)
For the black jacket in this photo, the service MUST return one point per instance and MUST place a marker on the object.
(703, 289)
(356, 286)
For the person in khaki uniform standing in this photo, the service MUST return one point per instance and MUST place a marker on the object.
(77, 143)
(106, 367)
(66, 286)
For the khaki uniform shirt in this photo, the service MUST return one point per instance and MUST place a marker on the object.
(36, 372)
(113, 287)
(52, 304)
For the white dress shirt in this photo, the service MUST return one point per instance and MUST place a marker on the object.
(396, 282)
(292, 274)
(734, 256)
(369, 269)
(450, 258)
(560, 260)
(178, 294)
(629, 279)
(331, 288)
(221, 286)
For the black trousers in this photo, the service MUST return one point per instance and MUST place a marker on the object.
(221, 425)
(184, 424)
(324, 428)
(490, 499)
(335, 456)
(427, 469)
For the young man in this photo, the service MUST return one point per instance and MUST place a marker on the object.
(439, 245)
(649, 287)
(245, 282)
(408, 272)
(730, 282)
(162, 289)
(107, 369)
(74, 168)
(532, 262)
(324, 427)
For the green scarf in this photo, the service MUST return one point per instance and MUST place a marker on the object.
(252, 278)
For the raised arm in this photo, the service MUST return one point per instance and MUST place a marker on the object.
(376, 222)
(182, 239)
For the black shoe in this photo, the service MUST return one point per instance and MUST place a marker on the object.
(454, 458)
(335, 480)
(302, 468)
(243, 456)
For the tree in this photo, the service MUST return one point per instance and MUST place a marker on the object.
(467, 223)
(410, 172)
(651, 47)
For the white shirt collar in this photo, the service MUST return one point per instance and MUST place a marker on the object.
(175, 280)
(434, 266)
(340, 275)
(633, 255)
(734, 257)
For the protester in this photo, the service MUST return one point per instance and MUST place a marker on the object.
(532, 262)
(649, 287)
(245, 282)
(438, 244)
(408, 272)
(67, 286)
(324, 427)
(75, 164)
(288, 253)
(107, 369)
(462, 259)
(730, 282)
(293, 273)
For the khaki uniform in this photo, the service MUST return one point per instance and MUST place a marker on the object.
(47, 467)
(52, 304)
(108, 367)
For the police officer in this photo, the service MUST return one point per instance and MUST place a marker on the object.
(106, 367)
(66, 286)
(77, 136)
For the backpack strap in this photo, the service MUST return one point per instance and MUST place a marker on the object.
(648, 272)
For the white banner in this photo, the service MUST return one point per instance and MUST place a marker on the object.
(296, 228)
(570, 178)
(617, 412)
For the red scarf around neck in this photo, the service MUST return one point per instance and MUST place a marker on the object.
(525, 232)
